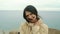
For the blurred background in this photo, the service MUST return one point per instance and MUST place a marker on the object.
(11, 13)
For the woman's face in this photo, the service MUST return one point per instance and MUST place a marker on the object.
(30, 16)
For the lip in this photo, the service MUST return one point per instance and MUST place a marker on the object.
(32, 20)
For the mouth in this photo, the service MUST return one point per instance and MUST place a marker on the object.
(31, 20)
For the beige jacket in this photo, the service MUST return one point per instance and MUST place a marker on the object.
(41, 28)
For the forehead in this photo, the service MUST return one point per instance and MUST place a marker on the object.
(27, 12)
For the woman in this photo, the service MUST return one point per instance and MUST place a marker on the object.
(33, 24)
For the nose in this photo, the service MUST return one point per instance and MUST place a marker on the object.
(30, 17)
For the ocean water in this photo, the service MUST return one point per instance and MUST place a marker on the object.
(12, 19)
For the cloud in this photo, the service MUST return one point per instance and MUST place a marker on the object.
(21, 4)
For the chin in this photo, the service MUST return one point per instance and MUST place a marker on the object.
(32, 22)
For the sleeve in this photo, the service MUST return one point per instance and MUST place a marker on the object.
(21, 29)
(44, 29)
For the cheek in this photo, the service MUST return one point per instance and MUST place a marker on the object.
(34, 16)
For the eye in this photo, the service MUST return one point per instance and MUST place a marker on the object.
(27, 15)
(31, 14)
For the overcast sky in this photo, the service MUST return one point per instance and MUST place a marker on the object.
(21, 4)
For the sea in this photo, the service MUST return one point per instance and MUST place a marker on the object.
(10, 20)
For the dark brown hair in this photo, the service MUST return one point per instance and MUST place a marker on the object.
(31, 9)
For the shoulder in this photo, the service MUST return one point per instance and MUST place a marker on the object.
(23, 25)
(42, 23)
(44, 26)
